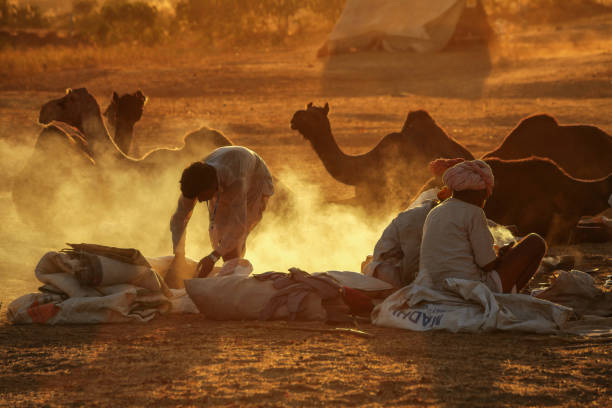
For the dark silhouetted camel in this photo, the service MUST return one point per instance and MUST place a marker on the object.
(581, 150)
(122, 114)
(397, 165)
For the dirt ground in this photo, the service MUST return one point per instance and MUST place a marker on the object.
(477, 95)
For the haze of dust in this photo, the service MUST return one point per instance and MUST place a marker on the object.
(126, 209)
(132, 209)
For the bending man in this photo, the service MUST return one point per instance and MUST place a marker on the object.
(236, 184)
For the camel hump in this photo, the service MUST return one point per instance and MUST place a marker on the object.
(538, 122)
(207, 136)
(418, 119)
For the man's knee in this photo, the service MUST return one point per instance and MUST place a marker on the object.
(536, 244)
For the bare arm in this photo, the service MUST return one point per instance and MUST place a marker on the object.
(178, 223)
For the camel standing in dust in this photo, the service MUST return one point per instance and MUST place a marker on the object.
(396, 164)
(74, 160)
(583, 151)
(537, 195)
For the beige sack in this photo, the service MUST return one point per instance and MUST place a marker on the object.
(236, 297)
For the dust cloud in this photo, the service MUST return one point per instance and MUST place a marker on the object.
(124, 207)
(319, 237)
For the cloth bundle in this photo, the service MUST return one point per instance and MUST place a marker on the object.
(80, 286)
(297, 295)
(572, 304)
(577, 289)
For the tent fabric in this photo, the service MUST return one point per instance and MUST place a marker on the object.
(394, 25)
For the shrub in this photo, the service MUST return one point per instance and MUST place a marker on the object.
(22, 16)
(118, 21)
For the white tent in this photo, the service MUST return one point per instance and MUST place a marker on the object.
(396, 25)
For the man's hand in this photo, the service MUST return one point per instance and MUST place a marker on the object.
(205, 266)
(504, 250)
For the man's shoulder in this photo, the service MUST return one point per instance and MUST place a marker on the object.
(417, 212)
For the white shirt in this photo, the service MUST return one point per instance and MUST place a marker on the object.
(456, 243)
(243, 179)
(400, 242)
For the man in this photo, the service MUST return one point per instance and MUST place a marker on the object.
(396, 254)
(457, 242)
(236, 184)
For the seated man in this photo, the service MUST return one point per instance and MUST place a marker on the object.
(396, 254)
(457, 243)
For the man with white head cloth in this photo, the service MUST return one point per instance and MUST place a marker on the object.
(458, 244)
(236, 184)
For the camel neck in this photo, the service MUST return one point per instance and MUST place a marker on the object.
(345, 168)
(98, 138)
(124, 134)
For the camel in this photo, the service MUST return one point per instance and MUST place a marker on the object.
(128, 108)
(396, 164)
(124, 111)
(537, 195)
(583, 151)
(122, 114)
(80, 109)
(57, 161)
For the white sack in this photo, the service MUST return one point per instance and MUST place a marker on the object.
(238, 297)
(468, 306)
(120, 301)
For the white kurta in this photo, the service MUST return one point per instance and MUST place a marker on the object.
(396, 254)
(245, 184)
(456, 243)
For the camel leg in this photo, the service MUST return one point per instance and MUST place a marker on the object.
(521, 262)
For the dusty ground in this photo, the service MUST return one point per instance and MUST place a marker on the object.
(477, 95)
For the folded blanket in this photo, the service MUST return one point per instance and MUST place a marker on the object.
(83, 287)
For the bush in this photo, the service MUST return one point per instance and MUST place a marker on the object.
(118, 21)
(245, 21)
(25, 16)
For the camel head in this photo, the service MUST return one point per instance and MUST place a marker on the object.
(128, 107)
(312, 122)
(72, 108)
